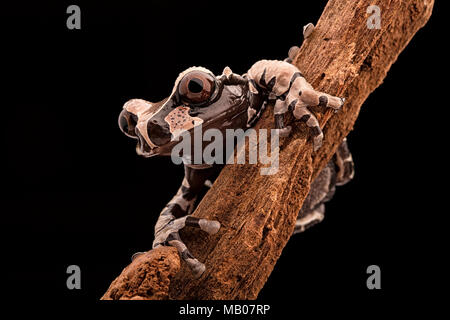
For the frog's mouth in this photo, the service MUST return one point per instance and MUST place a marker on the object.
(144, 149)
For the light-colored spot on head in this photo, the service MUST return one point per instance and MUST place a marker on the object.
(179, 121)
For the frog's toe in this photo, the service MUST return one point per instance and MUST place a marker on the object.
(209, 226)
(317, 142)
(135, 255)
(307, 30)
(196, 266)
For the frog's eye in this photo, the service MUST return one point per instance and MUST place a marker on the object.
(196, 87)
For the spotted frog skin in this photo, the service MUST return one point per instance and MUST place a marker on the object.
(230, 101)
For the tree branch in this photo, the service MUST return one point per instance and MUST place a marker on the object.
(342, 57)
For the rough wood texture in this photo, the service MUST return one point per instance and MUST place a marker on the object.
(342, 57)
(147, 277)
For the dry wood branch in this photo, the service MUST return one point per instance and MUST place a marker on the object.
(342, 57)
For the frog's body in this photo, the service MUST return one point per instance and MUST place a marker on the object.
(229, 101)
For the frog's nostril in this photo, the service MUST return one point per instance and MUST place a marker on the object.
(127, 123)
(123, 124)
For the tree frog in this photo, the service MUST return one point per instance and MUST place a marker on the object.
(230, 101)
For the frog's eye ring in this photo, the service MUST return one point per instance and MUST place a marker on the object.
(196, 87)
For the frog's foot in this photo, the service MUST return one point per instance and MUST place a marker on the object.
(309, 219)
(307, 30)
(137, 254)
(169, 236)
(344, 164)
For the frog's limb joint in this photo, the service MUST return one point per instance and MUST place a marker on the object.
(176, 215)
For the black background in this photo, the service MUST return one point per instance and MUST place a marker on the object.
(75, 192)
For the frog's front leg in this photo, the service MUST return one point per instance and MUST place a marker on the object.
(176, 215)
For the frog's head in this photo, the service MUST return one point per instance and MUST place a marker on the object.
(198, 98)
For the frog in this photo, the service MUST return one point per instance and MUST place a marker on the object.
(200, 99)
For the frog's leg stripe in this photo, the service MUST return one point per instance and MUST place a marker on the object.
(262, 81)
(315, 98)
(292, 105)
(185, 203)
(173, 209)
(281, 108)
(285, 94)
(253, 86)
(344, 163)
(187, 193)
(279, 111)
(302, 113)
(251, 114)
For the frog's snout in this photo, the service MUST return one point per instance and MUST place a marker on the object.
(127, 123)
(136, 121)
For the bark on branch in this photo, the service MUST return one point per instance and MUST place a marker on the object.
(342, 57)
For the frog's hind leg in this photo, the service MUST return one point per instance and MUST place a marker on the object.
(176, 216)
(338, 171)
(344, 163)
(309, 218)
(322, 190)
